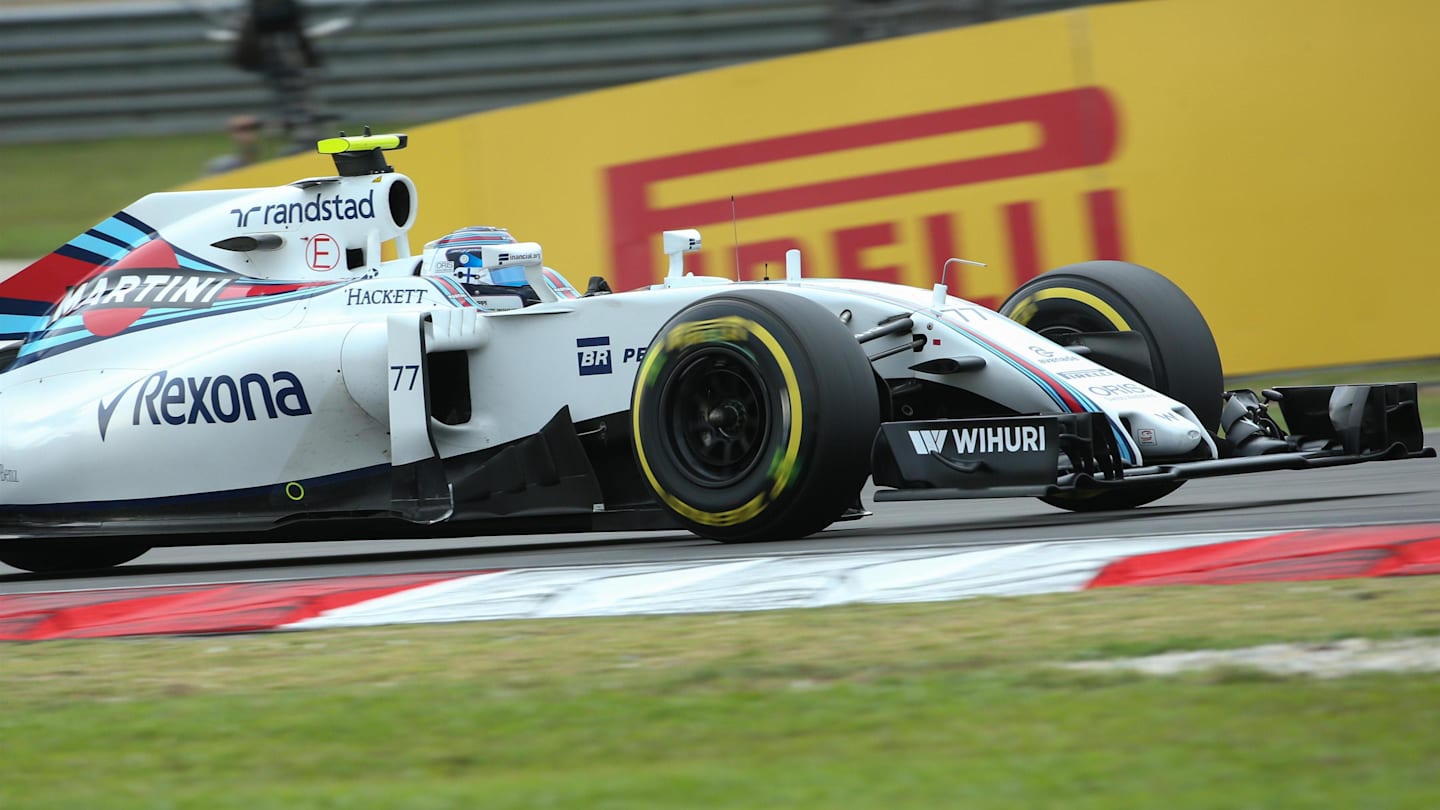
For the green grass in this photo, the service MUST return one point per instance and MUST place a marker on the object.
(55, 191)
(915, 706)
(1426, 372)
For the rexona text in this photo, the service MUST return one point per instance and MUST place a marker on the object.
(163, 399)
(320, 209)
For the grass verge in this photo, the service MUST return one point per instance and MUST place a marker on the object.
(934, 705)
(68, 187)
(58, 190)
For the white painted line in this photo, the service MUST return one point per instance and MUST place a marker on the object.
(758, 583)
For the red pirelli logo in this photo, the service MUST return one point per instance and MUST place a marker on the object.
(1075, 129)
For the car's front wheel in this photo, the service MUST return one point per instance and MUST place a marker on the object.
(1108, 296)
(754, 413)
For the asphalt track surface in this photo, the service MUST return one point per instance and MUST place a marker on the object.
(1366, 494)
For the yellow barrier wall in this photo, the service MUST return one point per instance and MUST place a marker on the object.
(1276, 158)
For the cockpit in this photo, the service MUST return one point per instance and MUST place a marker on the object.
(494, 269)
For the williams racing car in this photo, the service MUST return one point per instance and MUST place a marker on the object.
(242, 365)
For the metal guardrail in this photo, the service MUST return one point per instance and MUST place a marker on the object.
(79, 71)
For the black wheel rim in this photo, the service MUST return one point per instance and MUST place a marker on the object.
(718, 416)
(1059, 334)
(1059, 323)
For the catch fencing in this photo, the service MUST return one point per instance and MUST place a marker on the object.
(74, 71)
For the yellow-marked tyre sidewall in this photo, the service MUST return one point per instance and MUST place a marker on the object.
(744, 338)
(1026, 308)
(799, 479)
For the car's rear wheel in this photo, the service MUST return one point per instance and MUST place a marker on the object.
(1109, 296)
(53, 556)
(753, 417)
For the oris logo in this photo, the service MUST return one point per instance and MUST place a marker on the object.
(1121, 390)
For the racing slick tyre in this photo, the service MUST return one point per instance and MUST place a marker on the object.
(51, 556)
(754, 416)
(1110, 296)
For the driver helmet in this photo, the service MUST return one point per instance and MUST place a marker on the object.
(458, 253)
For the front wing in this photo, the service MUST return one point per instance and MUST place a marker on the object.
(1048, 455)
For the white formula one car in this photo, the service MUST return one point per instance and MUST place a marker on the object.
(240, 366)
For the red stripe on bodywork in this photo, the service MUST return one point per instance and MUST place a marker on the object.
(1054, 384)
(247, 290)
(111, 322)
(235, 608)
(156, 254)
(1410, 550)
(47, 280)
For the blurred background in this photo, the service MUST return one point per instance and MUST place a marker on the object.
(82, 69)
(1273, 157)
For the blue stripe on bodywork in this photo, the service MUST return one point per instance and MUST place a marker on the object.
(108, 251)
(16, 327)
(1121, 439)
(1127, 453)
